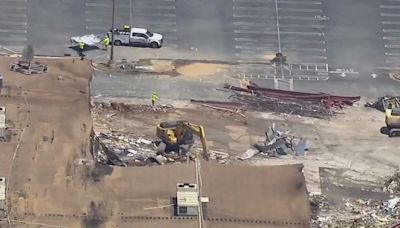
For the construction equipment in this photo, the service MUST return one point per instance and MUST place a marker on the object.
(136, 37)
(178, 136)
(392, 120)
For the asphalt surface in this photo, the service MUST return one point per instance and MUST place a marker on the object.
(316, 35)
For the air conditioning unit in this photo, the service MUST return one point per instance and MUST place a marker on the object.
(187, 199)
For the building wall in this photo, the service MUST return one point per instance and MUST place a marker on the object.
(2, 193)
(190, 211)
(2, 122)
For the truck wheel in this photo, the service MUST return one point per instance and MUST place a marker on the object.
(117, 43)
(154, 45)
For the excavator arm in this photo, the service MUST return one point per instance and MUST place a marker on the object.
(199, 131)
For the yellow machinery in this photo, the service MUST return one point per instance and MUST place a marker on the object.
(178, 136)
(392, 120)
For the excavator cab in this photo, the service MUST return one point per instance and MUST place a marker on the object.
(178, 136)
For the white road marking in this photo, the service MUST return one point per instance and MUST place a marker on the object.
(305, 49)
(391, 22)
(390, 15)
(390, 30)
(389, 6)
(13, 23)
(255, 48)
(392, 45)
(391, 38)
(10, 31)
(282, 32)
(392, 54)
(280, 1)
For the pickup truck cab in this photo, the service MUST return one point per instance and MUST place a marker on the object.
(137, 37)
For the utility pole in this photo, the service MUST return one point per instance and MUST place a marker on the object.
(112, 33)
(130, 13)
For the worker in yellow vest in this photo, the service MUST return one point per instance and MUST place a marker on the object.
(154, 98)
(105, 42)
(81, 48)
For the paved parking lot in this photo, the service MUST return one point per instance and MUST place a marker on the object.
(13, 23)
(294, 27)
(390, 20)
(314, 34)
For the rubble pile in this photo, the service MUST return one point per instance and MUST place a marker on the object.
(317, 105)
(392, 185)
(382, 103)
(132, 108)
(128, 150)
(277, 143)
(253, 97)
(354, 213)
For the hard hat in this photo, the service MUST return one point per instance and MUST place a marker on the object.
(154, 93)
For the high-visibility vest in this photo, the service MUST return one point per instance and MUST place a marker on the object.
(81, 45)
(106, 41)
(154, 97)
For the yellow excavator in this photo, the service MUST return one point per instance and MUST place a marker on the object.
(392, 117)
(177, 136)
(392, 120)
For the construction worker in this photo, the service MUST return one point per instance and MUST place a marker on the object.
(127, 28)
(154, 98)
(105, 42)
(81, 48)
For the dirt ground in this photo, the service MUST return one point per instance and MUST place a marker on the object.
(351, 142)
(50, 123)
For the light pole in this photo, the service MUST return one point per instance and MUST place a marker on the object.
(112, 33)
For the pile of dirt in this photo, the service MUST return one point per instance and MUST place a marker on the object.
(162, 66)
(200, 69)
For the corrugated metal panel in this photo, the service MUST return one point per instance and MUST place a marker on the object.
(2, 188)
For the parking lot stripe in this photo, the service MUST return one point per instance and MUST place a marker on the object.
(391, 30)
(13, 23)
(392, 54)
(305, 49)
(389, 6)
(391, 22)
(390, 15)
(280, 1)
(253, 16)
(392, 45)
(391, 38)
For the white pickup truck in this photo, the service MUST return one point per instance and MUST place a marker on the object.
(137, 37)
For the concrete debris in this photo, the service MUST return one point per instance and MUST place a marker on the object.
(131, 108)
(354, 213)
(392, 185)
(382, 103)
(249, 154)
(277, 143)
(122, 149)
